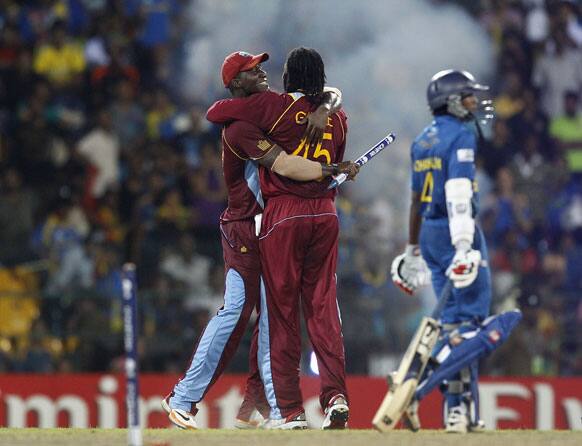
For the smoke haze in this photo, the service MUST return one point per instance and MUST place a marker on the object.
(380, 53)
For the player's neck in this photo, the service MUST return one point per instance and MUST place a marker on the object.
(239, 93)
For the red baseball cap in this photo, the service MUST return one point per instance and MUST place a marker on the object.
(239, 61)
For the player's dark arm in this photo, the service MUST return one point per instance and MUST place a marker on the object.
(253, 109)
(414, 219)
(317, 121)
(301, 169)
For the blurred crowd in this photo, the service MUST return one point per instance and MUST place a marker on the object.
(103, 162)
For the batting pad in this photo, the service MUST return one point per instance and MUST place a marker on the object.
(493, 332)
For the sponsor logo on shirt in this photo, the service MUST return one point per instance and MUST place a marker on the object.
(466, 155)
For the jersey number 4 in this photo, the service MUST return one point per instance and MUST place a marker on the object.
(319, 151)
(427, 187)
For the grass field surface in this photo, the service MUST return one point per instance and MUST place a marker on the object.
(226, 437)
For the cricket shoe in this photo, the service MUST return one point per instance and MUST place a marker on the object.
(410, 418)
(337, 413)
(179, 417)
(477, 427)
(295, 421)
(252, 422)
(457, 420)
(243, 424)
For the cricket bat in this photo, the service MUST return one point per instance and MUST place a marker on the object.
(401, 390)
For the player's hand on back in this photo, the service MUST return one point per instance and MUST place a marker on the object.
(316, 123)
(464, 268)
(409, 270)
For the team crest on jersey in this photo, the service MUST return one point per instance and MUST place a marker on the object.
(263, 144)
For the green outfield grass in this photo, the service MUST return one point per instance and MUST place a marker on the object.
(226, 437)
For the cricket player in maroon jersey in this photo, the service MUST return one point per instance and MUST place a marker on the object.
(244, 147)
(298, 244)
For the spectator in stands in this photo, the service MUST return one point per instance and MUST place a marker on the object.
(510, 100)
(531, 121)
(498, 151)
(509, 210)
(61, 59)
(557, 71)
(105, 78)
(564, 213)
(172, 216)
(18, 79)
(568, 17)
(87, 332)
(515, 57)
(100, 147)
(537, 25)
(64, 244)
(532, 176)
(108, 219)
(35, 138)
(208, 191)
(17, 207)
(188, 272)
(10, 46)
(19, 306)
(162, 109)
(567, 131)
(37, 358)
(128, 116)
(96, 53)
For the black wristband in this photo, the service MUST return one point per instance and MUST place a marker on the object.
(329, 169)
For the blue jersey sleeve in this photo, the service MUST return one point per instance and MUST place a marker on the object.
(461, 162)
(416, 178)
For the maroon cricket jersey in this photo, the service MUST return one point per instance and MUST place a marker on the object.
(278, 115)
(242, 144)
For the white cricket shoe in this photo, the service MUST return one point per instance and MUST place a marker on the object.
(337, 413)
(179, 417)
(255, 421)
(296, 421)
(457, 420)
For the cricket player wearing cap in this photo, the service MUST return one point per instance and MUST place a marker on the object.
(298, 244)
(244, 148)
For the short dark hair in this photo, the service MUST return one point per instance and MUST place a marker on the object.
(305, 72)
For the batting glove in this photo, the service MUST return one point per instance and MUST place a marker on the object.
(464, 268)
(409, 270)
